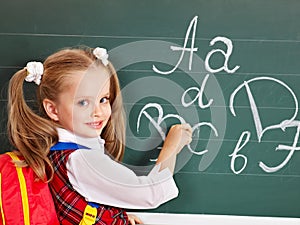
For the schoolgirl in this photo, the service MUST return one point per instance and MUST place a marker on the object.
(78, 140)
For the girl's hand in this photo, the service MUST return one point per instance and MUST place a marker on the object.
(178, 136)
(133, 219)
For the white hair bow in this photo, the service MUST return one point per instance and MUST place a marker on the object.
(35, 71)
(101, 54)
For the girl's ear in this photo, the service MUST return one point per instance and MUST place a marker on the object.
(51, 109)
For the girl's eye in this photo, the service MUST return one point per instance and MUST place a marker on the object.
(83, 102)
(104, 100)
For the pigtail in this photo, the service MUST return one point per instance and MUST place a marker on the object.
(31, 134)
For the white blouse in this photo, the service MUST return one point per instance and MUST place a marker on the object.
(100, 179)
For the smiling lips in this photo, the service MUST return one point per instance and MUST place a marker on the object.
(95, 125)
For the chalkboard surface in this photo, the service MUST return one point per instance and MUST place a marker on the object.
(229, 68)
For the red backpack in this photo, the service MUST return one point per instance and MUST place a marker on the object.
(23, 200)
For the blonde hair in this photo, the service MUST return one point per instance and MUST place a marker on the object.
(33, 134)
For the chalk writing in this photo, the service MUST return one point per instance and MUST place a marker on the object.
(192, 49)
(199, 96)
(161, 118)
(227, 54)
(238, 147)
(258, 123)
(193, 25)
(186, 101)
(292, 149)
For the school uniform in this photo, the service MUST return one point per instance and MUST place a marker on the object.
(87, 174)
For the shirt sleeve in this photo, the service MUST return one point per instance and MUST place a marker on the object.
(100, 179)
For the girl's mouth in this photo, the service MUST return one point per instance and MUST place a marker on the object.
(95, 125)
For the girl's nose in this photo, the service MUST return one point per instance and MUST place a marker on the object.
(97, 110)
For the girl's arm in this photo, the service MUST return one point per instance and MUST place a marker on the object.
(178, 136)
(100, 179)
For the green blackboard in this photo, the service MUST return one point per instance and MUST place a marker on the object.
(229, 68)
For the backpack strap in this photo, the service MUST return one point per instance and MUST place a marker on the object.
(67, 145)
(23, 189)
(1, 208)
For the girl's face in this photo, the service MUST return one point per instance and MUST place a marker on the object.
(84, 108)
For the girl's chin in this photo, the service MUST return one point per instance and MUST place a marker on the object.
(89, 134)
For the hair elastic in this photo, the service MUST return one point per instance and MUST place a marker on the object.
(101, 53)
(35, 71)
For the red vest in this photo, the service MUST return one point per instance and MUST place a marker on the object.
(23, 200)
(70, 204)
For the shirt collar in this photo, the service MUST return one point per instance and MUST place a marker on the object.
(67, 136)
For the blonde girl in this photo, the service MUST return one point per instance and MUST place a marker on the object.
(77, 139)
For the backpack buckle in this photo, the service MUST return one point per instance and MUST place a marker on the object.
(89, 215)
